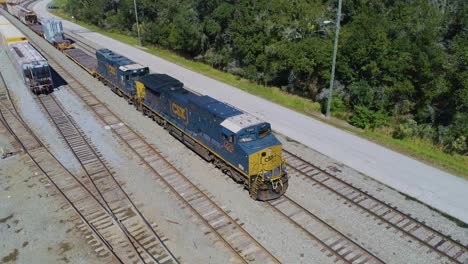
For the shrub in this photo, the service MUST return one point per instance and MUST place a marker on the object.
(362, 94)
(337, 105)
(366, 118)
(460, 145)
(406, 129)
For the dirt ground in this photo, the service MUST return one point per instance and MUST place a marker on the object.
(33, 227)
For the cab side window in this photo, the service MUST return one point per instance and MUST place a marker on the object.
(230, 138)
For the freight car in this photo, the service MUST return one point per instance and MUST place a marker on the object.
(25, 15)
(238, 143)
(31, 65)
(83, 59)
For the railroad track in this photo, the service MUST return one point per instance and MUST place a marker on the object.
(391, 216)
(71, 189)
(333, 241)
(80, 43)
(106, 188)
(244, 247)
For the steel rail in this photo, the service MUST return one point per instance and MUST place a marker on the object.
(14, 112)
(77, 39)
(103, 164)
(360, 196)
(106, 208)
(58, 107)
(344, 248)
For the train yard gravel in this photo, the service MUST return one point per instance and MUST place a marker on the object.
(33, 226)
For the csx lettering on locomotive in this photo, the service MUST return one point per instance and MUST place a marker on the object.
(111, 70)
(179, 111)
(268, 158)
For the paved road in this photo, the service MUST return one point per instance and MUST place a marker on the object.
(439, 189)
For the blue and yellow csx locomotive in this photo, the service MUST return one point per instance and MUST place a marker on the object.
(238, 143)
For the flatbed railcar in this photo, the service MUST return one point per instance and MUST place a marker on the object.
(37, 28)
(83, 59)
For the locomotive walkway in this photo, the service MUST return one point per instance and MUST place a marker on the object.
(432, 186)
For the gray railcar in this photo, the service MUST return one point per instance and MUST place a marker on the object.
(32, 66)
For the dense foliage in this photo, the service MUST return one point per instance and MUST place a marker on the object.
(401, 64)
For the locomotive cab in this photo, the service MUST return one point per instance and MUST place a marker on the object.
(119, 72)
(267, 177)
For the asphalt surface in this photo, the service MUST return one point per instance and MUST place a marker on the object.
(432, 186)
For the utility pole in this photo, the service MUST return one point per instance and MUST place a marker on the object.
(138, 25)
(335, 48)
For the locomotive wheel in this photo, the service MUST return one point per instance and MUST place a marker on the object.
(234, 175)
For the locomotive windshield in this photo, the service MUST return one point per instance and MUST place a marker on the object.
(264, 131)
(135, 74)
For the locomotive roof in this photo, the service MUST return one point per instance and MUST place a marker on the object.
(131, 67)
(238, 122)
(234, 119)
(214, 106)
(115, 58)
(158, 82)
